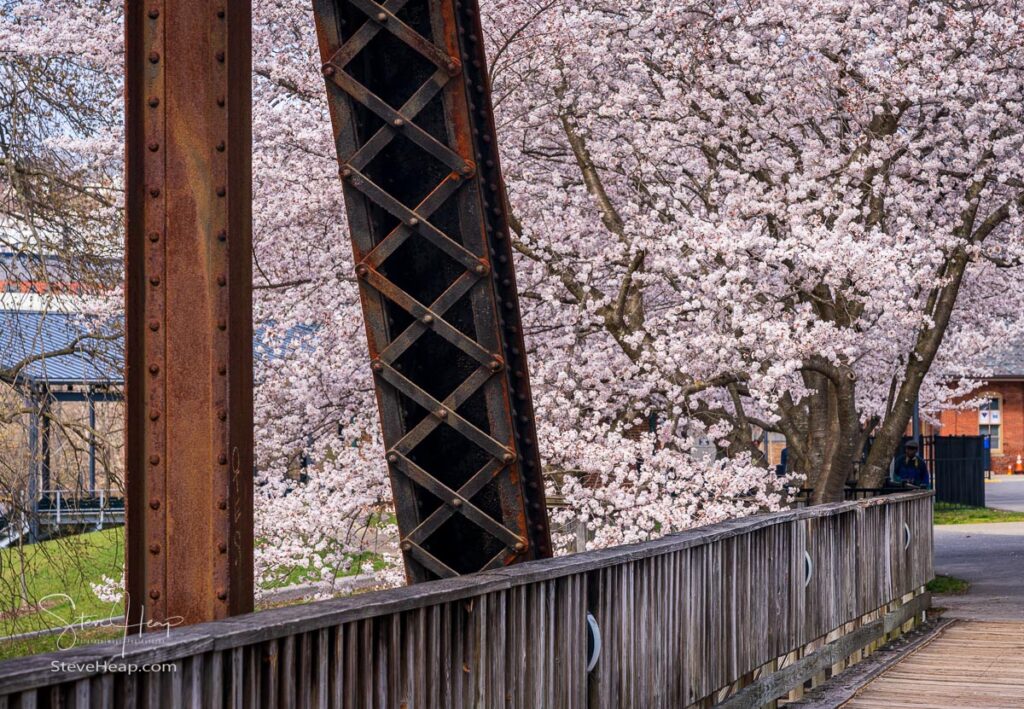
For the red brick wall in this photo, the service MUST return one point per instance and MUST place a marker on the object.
(965, 423)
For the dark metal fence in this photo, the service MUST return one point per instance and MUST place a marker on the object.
(957, 465)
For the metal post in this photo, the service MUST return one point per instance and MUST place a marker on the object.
(410, 102)
(44, 457)
(189, 313)
(33, 466)
(92, 443)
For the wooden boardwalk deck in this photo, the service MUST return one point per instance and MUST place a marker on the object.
(970, 665)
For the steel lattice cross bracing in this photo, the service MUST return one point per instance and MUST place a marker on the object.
(410, 104)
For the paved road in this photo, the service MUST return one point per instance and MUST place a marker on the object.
(1006, 494)
(991, 558)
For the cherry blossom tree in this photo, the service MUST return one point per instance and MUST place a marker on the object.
(795, 217)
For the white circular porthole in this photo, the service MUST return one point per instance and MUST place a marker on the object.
(593, 642)
(808, 569)
(906, 536)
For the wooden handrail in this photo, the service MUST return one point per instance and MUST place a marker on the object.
(693, 613)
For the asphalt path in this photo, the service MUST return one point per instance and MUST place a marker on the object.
(991, 558)
(1005, 492)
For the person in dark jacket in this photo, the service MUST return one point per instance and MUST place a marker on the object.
(911, 468)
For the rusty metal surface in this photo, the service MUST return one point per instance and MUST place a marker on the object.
(409, 100)
(189, 314)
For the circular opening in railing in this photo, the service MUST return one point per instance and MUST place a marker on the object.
(593, 642)
(906, 536)
(808, 569)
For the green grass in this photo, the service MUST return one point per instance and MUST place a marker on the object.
(944, 514)
(948, 585)
(47, 585)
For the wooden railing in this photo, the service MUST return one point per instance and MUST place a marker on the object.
(739, 612)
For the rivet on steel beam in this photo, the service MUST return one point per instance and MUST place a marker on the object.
(154, 594)
(220, 13)
(222, 414)
(221, 146)
(398, 122)
(220, 57)
(520, 546)
(222, 548)
(154, 57)
(153, 147)
(154, 280)
(405, 546)
(441, 413)
(154, 504)
(222, 595)
(361, 271)
(509, 457)
(222, 504)
(153, 14)
(154, 325)
(222, 369)
(154, 548)
(154, 460)
(154, 236)
(222, 280)
(327, 70)
(154, 415)
(222, 235)
(154, 369)
(382, 17)
(392, 457)
(376, 365)
(413, 221)
(154, 192)
(222, 324)
(467, 170)
(496, 365)
(154, 102)
(453, 66)
(456, 502)
(480, 268)
(345, 172)
(222, 190)
(428, 318)
(222, 459)
(220, 101)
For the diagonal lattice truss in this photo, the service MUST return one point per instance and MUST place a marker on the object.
(414, 133)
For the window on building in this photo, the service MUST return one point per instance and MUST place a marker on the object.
(990, 421)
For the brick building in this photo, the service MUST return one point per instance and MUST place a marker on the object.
(1001, 414)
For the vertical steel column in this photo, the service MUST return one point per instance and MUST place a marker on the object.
(189, 312)
(410, 103)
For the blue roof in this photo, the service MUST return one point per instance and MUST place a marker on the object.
(30, 334)
(25, 334)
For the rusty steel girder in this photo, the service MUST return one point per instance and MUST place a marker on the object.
(410, 103)
(189, 459)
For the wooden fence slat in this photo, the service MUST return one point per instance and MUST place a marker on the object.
(685, 620)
